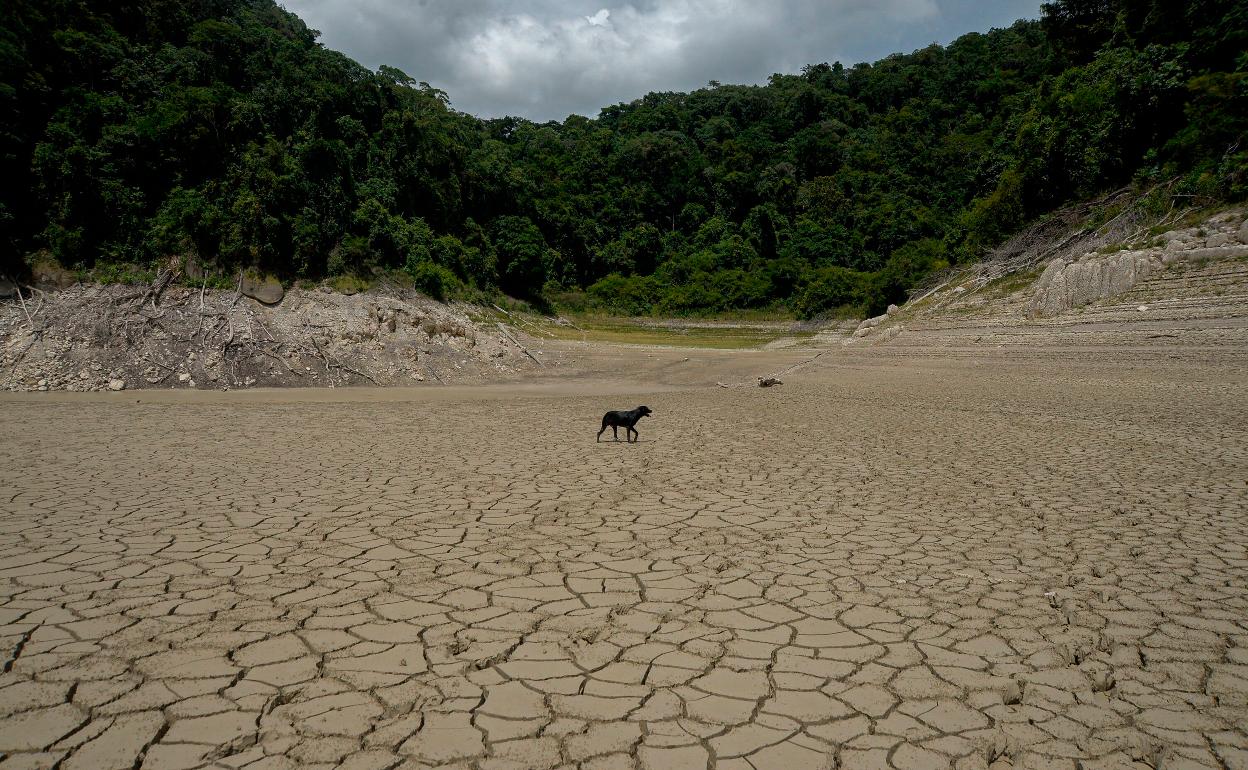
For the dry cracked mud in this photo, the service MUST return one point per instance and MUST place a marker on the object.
(902, 566)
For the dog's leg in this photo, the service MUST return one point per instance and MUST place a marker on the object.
(615, 431)
(599, 436)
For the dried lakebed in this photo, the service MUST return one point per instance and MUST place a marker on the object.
(905, 566)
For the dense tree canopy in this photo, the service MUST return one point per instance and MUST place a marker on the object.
(133, 131)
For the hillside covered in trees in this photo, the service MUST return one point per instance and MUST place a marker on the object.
(221, 130)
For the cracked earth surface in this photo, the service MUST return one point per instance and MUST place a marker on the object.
(893, 568)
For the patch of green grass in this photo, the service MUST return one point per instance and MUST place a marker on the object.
(718, 333)
(628, 331)
(348, 284)
(216, 281)
(1011, 282)
(121, 273)
(751, 315)
(843, 313)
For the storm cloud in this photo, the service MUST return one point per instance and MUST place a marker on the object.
(547, 59)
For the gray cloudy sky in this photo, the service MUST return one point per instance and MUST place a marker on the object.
(546, 59)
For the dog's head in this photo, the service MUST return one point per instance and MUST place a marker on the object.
(644, 410)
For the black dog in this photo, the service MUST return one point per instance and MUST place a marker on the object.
(627, 420)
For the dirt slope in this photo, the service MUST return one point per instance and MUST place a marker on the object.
(1087, 290)
(1062, 288)
(123, 337)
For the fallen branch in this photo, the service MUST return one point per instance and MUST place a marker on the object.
(334, 363)
(36, 313)
(157, 363)
(324, 357)
(22, 301)
(930, 292)
(159, 380)
(153, 292)
(281, 359)
(528, 324)
(344, 367)
(561, 321)
(800, 364)
(516, 342)
(266, 330)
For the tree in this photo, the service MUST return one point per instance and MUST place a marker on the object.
(522, 256)
(221, 128)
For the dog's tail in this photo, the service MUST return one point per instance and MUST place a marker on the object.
(605, 417)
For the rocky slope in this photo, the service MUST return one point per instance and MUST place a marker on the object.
(1134, 283)
(86, 338)
(1120, 285)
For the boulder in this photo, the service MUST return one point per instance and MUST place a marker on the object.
(192, 268)
(265, 290)
(1243, 232)
(1217, 252)
(871, 323)
(1050, 287)
(890, 333)
(49, 274)
(1064, 286)
(892, 311)
(116, 385)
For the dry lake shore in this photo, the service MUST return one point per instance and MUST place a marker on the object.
(987, 561)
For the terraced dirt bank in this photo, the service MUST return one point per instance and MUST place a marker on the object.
(1118, 292)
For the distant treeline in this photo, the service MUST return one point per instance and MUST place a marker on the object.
(133, 131)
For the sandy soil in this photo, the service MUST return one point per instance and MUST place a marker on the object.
(886, 562)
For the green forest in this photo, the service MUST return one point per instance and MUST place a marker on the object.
(136, 131)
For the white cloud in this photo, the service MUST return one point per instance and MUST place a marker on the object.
(545, 59)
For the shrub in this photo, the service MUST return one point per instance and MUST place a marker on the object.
(434, 280)
(829, 288)
(522, 256)
(631, 296)
(906, 267)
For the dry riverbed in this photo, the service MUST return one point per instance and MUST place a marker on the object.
(883, 563)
